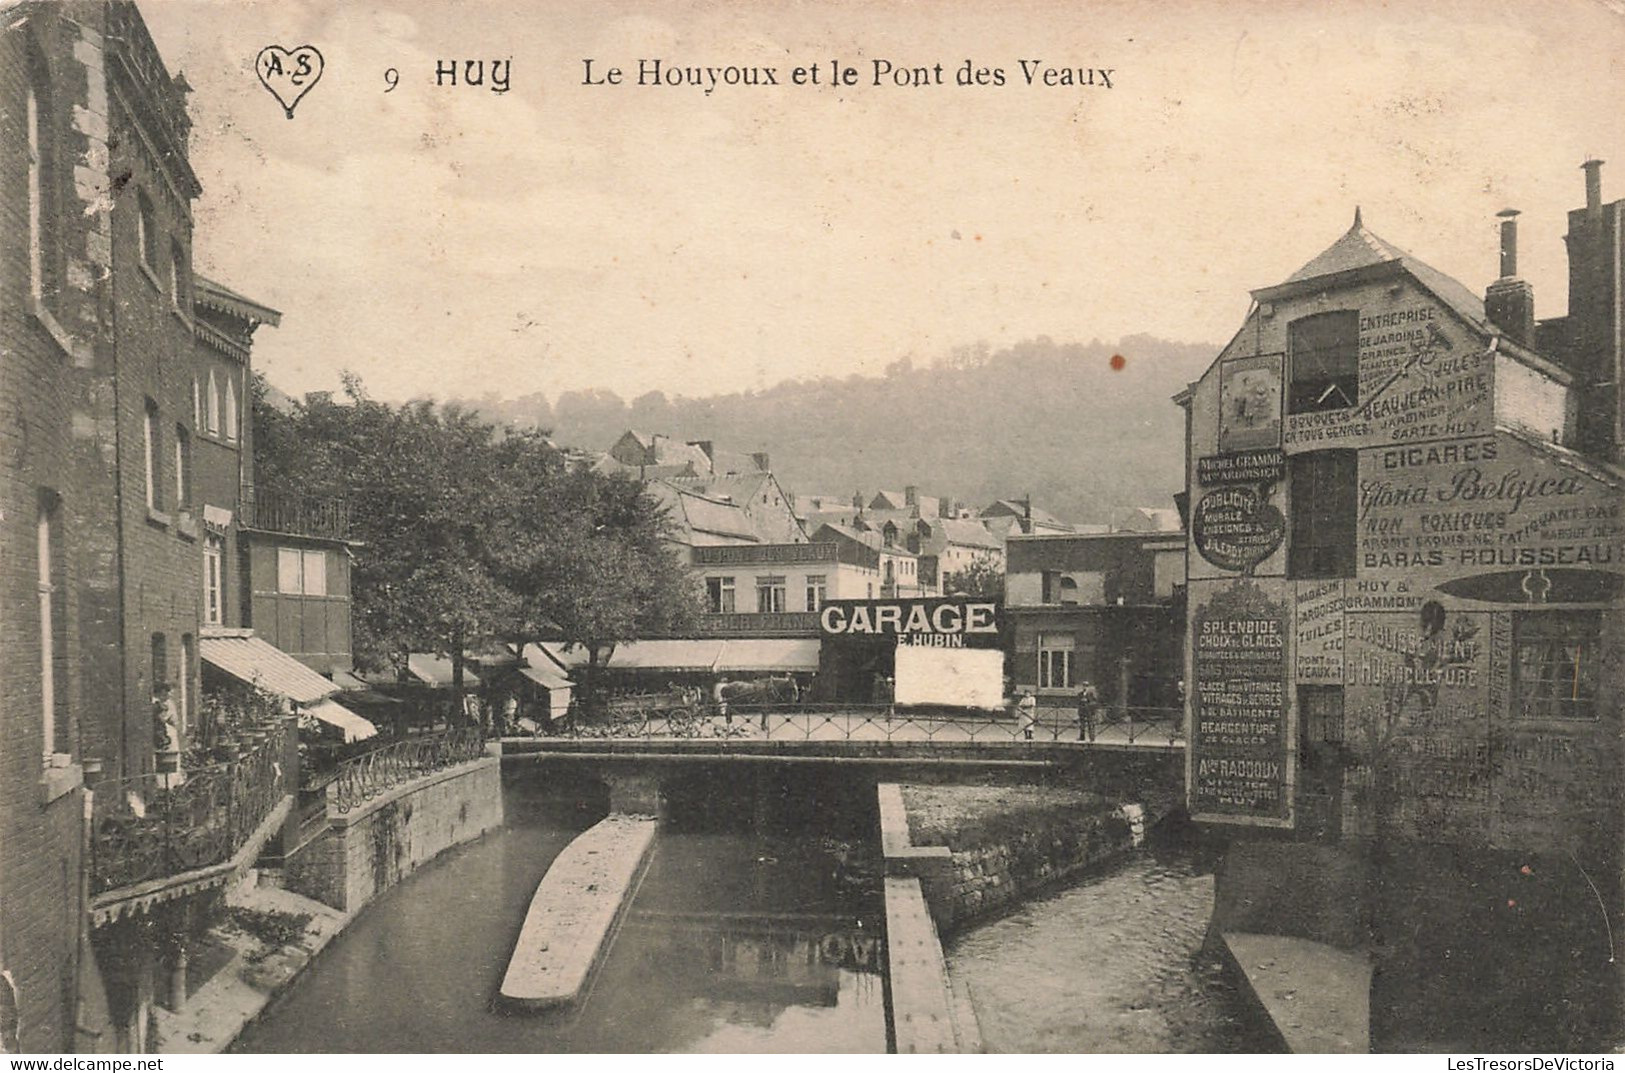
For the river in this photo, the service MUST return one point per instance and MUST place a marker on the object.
(749, 937)
(1113, 963)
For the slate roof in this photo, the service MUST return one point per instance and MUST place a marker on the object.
(1359, 248)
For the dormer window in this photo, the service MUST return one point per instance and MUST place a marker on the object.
(1323, 352)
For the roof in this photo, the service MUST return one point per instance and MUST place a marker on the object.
(1359, 248)
(436, 670)
(217, 296)
(1149, 520)
(769, 654)
(736, 655)
(967, 532)
(695, 513)
(1020, 509)
(547, 676)
(334, 714)
(260, 663)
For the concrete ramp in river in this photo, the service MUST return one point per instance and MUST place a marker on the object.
(574, 912)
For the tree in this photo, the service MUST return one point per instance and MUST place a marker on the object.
(981, 578)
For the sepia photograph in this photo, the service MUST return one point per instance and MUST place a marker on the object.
(812, 526)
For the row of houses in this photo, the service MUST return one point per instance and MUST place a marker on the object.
(145, 571)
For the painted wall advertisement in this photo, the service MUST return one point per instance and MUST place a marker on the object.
(1318, 654)
(1417, 382)
(1491, 518)
(1237, 523)
(1242, 743)
(1250, 402)
(1418, 694)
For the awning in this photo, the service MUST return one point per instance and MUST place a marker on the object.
(347, 681)
(262, 664)
(335, 714)
(436, 670)
(547, 677)
(666, 656)
(769, 654)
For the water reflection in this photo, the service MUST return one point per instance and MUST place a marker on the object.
(736, 942)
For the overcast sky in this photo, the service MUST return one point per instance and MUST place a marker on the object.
(443, 240)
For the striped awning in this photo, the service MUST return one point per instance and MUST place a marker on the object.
(260, 663)
(334, 714)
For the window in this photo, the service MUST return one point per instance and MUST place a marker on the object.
(197, 404)
(1324, 354)
(1325, 501)
(231, 409)
(1068, 590)
(817, 588)
(148, 222)
(52, 625)
(177, 276)
(769, 594)
(214, 554)
(183, 684)
(160, 663)
(315, 563)
(183, 467)
(719, 595)
(1556, 663)
(301, 571)
(149, 440)
(1055, 668)
(36, 200)
(212, 401)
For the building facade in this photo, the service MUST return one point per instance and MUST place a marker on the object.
(1105, 609)
(1406, 574)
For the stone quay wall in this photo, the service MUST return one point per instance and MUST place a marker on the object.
(371, 848)
(1003, 844)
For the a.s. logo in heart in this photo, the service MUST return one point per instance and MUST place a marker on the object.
(288, 73)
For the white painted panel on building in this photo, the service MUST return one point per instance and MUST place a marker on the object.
(963, 677)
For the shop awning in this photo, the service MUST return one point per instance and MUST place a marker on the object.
(769, 654)
(337, 715)
(666, 656)
(548, 677)
(436, 671)
(260, 663)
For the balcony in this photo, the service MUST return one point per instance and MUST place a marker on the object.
(156, 831)
(294, 514)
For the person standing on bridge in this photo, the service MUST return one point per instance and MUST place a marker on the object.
(1088, 706)
(1027, 713)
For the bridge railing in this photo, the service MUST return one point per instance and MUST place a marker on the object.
(809, 722)
(361, 778)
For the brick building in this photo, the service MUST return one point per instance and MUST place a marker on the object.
(1103, 608)
(1407, 577)
(121, 501)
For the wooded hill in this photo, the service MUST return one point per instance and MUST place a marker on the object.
(1053, 419)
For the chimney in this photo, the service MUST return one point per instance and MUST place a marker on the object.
(1596, 343)
(857, 500)
(1509, 302)
(911, 496)
(1593, 170)
(1027, 510)
(761, 460)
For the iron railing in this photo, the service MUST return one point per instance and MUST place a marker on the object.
(815, 722)
(361, 778)
(150, 826)
(295, 513)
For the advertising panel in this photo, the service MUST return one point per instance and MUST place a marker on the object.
(1318, 652)
(1242, 740)
(942, 622)
(1250, 402)
(1418, 693)
(1419, 379)
(953, 677)
(1491, 518)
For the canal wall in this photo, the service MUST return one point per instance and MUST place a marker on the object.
(1003, 843)
(372, 847)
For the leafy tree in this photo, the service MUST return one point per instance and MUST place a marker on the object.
(981, 578)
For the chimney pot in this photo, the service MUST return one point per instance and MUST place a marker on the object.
(1509, 243)
(1593, 170)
